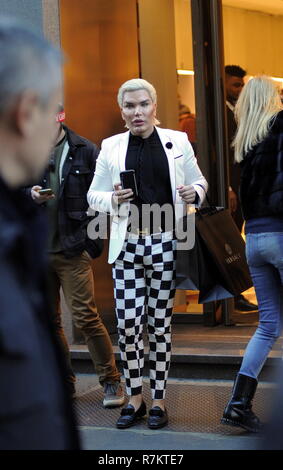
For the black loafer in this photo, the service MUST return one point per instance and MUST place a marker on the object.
(157, 418)
(129, 416)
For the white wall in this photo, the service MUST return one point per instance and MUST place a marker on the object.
(253, 41)
(186, 91)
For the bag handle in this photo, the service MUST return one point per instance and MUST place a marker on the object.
(208, 210)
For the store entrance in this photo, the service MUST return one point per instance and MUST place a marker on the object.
(107, 44)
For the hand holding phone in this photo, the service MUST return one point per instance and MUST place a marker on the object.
(122, 195)
(40, 195)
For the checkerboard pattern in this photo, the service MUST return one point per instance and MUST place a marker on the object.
(144, 290)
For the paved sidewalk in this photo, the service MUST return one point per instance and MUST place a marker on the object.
(95, 438)
(194, 408)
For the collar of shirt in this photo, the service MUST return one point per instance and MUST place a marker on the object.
(230, 105)
(136, 139)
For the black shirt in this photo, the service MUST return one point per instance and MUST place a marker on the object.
(156, 162)
(54, 245)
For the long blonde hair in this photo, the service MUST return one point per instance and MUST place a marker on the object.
(256, 108)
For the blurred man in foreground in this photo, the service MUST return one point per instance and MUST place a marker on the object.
(35, 408)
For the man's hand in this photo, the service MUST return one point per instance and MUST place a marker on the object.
(40, 199)
(122, 195)
(187, 193)
(232, 201)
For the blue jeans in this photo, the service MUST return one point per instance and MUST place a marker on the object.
(265, 259)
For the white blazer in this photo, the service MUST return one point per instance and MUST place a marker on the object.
(183, 169)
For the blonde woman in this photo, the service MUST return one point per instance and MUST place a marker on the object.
(259, 149)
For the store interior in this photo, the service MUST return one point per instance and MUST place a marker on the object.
(254, 52)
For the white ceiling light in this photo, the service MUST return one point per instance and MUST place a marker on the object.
(185, 72)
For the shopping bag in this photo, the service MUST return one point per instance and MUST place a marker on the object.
(216, 265)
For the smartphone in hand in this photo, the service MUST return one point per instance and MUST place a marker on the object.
(128, 181)
(46, 192)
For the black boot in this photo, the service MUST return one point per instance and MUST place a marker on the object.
(243, 305)
(238, 411)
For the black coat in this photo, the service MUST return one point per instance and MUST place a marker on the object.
(261, 190)
(77, 176)
(35, 408)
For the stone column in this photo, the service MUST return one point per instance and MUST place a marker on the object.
(51, 20)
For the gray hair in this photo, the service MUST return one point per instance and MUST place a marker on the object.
(136, 84)
(28, 62)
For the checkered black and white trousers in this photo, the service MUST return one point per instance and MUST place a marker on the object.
(144, 290)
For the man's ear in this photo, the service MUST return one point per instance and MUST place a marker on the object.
(26, 113)
(122, 114)
(155, 109)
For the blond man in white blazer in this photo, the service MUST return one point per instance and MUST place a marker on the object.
(144, 258)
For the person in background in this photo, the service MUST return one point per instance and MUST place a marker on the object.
(69, 174)
(187, 123)
(234, 83)
(258, 148)
(35, 408)
(142, 250)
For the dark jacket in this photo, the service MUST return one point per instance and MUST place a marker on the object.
(77, 176)
(35, 408)
(261, 191)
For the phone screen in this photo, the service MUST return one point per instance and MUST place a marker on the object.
(128, 181)
(47, 191)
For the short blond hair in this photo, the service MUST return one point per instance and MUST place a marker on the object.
(136, 84)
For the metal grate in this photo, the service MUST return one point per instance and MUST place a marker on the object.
(191, 407)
